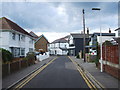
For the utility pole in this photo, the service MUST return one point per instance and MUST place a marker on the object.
(84, 35)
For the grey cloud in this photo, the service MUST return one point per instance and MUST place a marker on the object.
(46, 17)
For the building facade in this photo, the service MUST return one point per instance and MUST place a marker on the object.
(76, 43)
(15, 39)
(41, 44)
(59, 46)
(96, 38)
(118, 29)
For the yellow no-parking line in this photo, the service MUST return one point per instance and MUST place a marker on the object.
(88, 82)
(24, 82)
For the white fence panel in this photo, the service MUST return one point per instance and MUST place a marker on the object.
(41, 57)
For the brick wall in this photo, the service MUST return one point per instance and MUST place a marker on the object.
(111, 55)
(41, 44)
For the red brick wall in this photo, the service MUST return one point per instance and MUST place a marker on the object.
(115, 72)
(111, 54)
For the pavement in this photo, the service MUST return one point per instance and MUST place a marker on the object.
(105, 79)
(16, 76)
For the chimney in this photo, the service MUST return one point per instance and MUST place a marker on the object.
(109, 30)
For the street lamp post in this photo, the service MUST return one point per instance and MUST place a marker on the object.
(101, 61)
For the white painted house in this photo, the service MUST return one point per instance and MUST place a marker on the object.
(14, 38)
(118, 29)
(59, 46)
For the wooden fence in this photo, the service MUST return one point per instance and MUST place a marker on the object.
(15, 66)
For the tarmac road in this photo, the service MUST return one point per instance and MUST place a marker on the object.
(61, 73)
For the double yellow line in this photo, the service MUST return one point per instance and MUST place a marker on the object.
(89, 83)
(24, 82)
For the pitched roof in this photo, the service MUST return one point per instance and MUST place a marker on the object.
(67, 36)
(77, 35)
(34, 35)
(61, 40)
(40, 38)
(6, 24)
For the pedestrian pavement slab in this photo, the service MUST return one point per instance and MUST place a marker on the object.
(13, 77)
(104, 78)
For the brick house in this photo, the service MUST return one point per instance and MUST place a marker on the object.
(41, 44)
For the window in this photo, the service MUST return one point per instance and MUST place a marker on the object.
(31, 41)
(30, 49)
(13, 36)
(15, 51)
(23, 37)
(19, 37)
(22, 51)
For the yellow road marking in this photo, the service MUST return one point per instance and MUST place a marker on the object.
(33, 75)
(96, 80)
(89, 83)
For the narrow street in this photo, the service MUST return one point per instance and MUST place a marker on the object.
(61, 73)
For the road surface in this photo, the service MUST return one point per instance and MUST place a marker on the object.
(61, 73)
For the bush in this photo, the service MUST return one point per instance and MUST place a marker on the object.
(30, 56)
(78, 56)
(6, 55)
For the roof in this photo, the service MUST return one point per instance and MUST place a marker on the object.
(117, 29)
(40, 38)
(61, 40)
(6, 24)
(77, 35)
(104, 34)
(67, 36)
(34, 35)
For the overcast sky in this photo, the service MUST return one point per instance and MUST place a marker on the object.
(59, 19)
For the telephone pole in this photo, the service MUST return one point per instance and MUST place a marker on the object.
(84, 35)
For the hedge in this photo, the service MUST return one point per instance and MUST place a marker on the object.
(6, 55)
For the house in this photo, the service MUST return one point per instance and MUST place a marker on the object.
(59, 46)
(41, 44)
(14, 38)
(118, 29)
(76, 43)
(95, 40)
